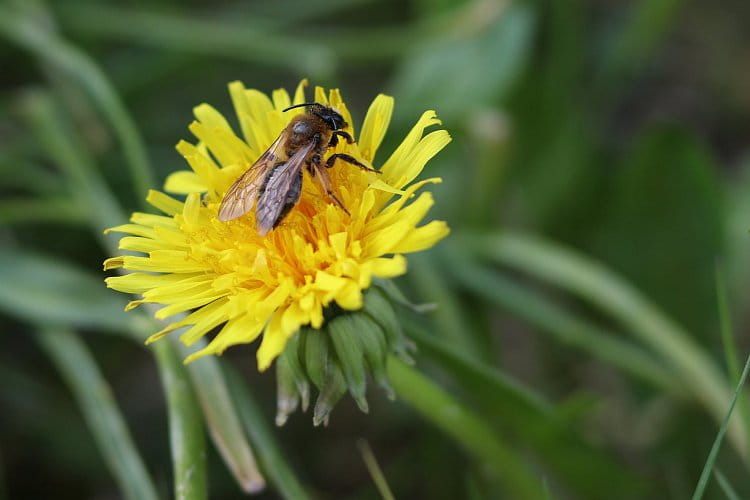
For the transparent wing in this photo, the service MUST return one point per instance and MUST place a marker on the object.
(240, 197)
(272, 202)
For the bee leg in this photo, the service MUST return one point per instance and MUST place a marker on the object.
(337, 201)
(349, 159)
(335, 138)
(314, 160)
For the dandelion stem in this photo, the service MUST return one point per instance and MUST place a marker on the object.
(185, 426)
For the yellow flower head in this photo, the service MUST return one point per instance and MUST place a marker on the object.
(227, 274)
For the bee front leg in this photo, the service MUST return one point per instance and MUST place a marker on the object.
(335, 138)
(349, 159)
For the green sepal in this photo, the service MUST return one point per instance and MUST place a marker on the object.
(334, 386)
(345, 331)
(314, 344)
(287, 395)
(379, 308)
(292, 355)
(375, 349)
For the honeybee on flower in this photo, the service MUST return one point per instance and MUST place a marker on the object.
(269, 265)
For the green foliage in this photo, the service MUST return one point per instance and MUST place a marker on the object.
(568, 339)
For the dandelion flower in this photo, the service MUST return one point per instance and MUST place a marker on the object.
(319, 259)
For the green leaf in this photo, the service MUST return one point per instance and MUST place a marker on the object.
(479, 66)
(38, 288)
(95, 399)
(528, 416)
(563, 325)
(612, 294)
(250, 40)
(460, 424)
(665, 198)
(50, 210)
(27, 32)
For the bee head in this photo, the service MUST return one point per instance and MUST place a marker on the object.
(330, 116)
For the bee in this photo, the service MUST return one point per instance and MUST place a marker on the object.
(273, 184)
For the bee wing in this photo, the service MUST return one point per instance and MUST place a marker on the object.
(280, 182)
(240, 197)
(321, 177)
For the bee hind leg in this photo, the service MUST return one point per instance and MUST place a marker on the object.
(348, 159)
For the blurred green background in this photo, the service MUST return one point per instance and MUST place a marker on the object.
(592, 306)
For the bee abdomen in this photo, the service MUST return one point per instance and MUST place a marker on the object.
(292, 198)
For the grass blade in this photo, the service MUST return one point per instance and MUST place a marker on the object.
(48, 47)
(612, 294)
(40, 288)
(374, 469)
(185, 426)
(444, 412)
(563, 325)
(270, 456)
(730, 351)
(95, 399)
(450, 322)
(531, 419)
(49, 211)
(249, 41)
(725, 485)
(66, 150)
(711, 460)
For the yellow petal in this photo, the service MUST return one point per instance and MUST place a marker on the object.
(114, 263)
(275, 337)
(164, 261)
(202, 164)
(386, 236)
(281, 99)
(376, 123)
(135, 229)
(163, 202)
(184, 182)
(141, 282)
(423, 237)
(389, 267)
(415, 161)
(211, 316)
(242, 330)
(391, 167)
(152, 220)
(144, 245)
(197, 301)
(382, 186)
(350, 296)
(299, 94)
(226, 147)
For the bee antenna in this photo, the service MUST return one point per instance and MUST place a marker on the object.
(299, 106)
